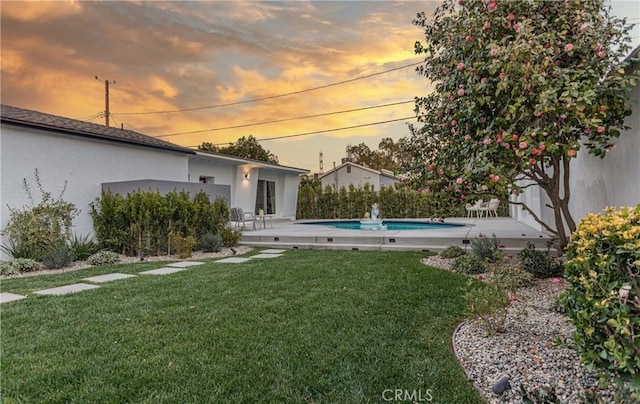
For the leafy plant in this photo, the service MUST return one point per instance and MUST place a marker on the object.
(103, 258)
(230, 237)
(18, 266)
(83, 247)
(183, 245)
(603, 299)
(539, 263)
(469, 264)
(543, 396)
(488, 303)
(509, 279)
(58, 256)
(453, 251)
(36, 230)
(210, 242)
(486, 249)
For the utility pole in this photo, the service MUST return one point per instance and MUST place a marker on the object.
(106, 100)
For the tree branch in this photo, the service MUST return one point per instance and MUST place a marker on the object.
(535, 217)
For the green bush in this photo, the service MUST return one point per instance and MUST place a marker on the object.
(510, 279)
(59, 256)
(486, 249)
(210, 242)
(488, 304)
(469, 264)
(103, 258)
(453, 251)
(40, 228)
(230, 237)
(18, 266)
(83, 247)
(603, 299)
(183, 245)
(539, 263)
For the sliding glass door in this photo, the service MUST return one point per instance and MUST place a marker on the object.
(266, 197)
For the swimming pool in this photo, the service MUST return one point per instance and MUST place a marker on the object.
(389, 224)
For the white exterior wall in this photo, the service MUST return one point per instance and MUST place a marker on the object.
(223, 174)
(84, 163)
(358, 177)
(613, 181)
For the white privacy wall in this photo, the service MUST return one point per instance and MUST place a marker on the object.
(82, 162)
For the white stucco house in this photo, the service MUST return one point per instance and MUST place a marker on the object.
(350, 173)
(596, 183)
(90, 157)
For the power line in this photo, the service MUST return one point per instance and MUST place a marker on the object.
(323, 131)
(286, 119)
(272, 96)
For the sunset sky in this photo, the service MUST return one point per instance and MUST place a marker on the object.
(195, 58)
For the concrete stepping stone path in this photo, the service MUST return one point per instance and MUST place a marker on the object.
(184, 264)
(108, 277)
(9, 297)
(233, 260)
(263, 255)
(163, 271)
(272, 251)
(63, 290)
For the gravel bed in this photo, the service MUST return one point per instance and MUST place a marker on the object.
(528, 353)
(197, 255)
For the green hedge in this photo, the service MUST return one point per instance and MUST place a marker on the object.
(396, 202)
(144, 220)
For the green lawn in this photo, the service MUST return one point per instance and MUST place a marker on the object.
(310, 326)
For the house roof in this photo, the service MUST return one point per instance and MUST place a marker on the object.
(253, 163)
(54, 123)
(382, 173)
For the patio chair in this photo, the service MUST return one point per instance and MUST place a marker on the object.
(490, 208)
(474, 209)
(240, 218)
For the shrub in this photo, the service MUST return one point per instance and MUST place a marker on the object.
(488, 303)
(510, 279)
(230, 237)
(103, 258)
(41, 228)
(469, 264)
(210, 242)
(83, 247)
(58, 256)
(603, 299)
(486, 249)
(539, 263)
(183, 245)
(453, 251)
(18, 266)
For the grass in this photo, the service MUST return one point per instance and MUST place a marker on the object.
(311, 326)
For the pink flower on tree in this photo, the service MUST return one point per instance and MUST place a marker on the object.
(523, 145)
(571, 153)
(601, 54)
(532, 161)
(568, 47)
(468, 38)
(600, 129)
(511, 17)
(461, 92)
(486, 141)
(493, 52)
(492, 6)
(486, 25)
(506, 145)
(467, 137)
(460, 66)
(502, 75)
(483, 80)
(454, 122)
(459, 180)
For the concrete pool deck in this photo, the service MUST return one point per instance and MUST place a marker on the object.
(512, 234)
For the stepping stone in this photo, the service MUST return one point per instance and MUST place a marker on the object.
(273, 251)
(108, 277)
(63, 290)
(266, 256)
(9, 297)
(233, 260)
(163, 271)
(184, 264)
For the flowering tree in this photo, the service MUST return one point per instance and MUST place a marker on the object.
(519, 87)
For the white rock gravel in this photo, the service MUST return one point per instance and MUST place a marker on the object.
(198, 255)
(528, 352)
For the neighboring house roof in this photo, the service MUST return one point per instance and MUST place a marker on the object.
(253, 163)
(382, 173)
(40, 120)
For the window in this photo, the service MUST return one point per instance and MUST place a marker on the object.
(266, 197)
(206, 180)
(348, 169)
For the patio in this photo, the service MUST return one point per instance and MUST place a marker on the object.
(512, 234)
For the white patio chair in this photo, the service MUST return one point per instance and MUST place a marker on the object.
(474, 209)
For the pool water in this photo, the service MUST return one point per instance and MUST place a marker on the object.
(389, 224)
